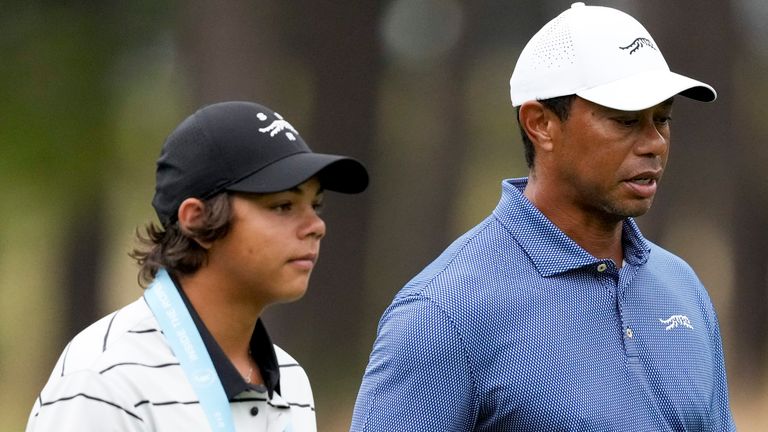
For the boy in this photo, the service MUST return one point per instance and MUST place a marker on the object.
(238, 193)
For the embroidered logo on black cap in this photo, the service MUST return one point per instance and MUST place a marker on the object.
(278, 126)
(637, 44)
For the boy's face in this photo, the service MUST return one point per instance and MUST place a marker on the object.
(273, 243)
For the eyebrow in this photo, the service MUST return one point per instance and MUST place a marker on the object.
(668, 102)
(298, 190)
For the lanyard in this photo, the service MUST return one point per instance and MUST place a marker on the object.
(166, 304)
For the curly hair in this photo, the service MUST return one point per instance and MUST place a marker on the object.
(177, 250)
(561, 106)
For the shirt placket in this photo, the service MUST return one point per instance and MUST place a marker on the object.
(624, 277)
(612, 278)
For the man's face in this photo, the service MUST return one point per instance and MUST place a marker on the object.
(609, 162)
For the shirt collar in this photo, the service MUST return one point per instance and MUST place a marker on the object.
(551, 250)
(261, 348)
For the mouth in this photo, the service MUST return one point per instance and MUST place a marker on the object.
(644, 184)
(304, 262)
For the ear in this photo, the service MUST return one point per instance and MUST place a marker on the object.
(191, 216)
(538, 122)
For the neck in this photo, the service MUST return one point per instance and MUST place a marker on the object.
(600, 242)
(599, 237)
(230, 320)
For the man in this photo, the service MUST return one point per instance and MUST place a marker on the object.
(555, 314)
(238, 194)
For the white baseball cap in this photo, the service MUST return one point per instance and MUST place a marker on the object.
(602, 55)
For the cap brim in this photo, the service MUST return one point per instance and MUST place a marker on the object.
(647, 89)
(336, 173)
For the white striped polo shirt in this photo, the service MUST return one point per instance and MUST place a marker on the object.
(120, 374)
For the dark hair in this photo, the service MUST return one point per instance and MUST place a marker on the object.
(176, 249)
(561, 106)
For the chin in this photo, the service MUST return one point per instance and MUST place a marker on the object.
(630, 213)
(629, 209)
(292, 295)
(639, 210)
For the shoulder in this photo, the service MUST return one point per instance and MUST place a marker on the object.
(465, 283)
(294, 382)
(128, 334)
(457, 291)
(296, 392)
(486, 246)
(662, 261)
(104, 372)
(673, 279)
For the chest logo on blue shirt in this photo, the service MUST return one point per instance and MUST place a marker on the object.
(676, 321)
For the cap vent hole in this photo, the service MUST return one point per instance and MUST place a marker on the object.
(554, 47)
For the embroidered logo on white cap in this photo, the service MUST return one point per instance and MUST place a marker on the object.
(639, 43)
(602, 55)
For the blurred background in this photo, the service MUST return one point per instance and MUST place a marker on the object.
(418, 89)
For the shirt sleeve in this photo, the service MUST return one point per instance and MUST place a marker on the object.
(722, 417)
(83, 401)
(419, 373)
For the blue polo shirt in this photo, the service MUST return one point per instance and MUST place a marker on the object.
(515, 327)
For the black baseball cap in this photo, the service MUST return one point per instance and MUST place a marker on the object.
(243, 147)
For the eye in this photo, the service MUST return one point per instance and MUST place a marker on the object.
(282, 207)
(626, 121)
(663, 119)
(318, 207)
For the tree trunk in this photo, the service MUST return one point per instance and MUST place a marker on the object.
(339, 46)
(231, 50)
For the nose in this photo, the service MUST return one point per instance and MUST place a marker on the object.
(313, 225)
(654, 139)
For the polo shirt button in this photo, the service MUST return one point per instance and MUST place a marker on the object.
(630, 333)
(601, 267)
(254, 411)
